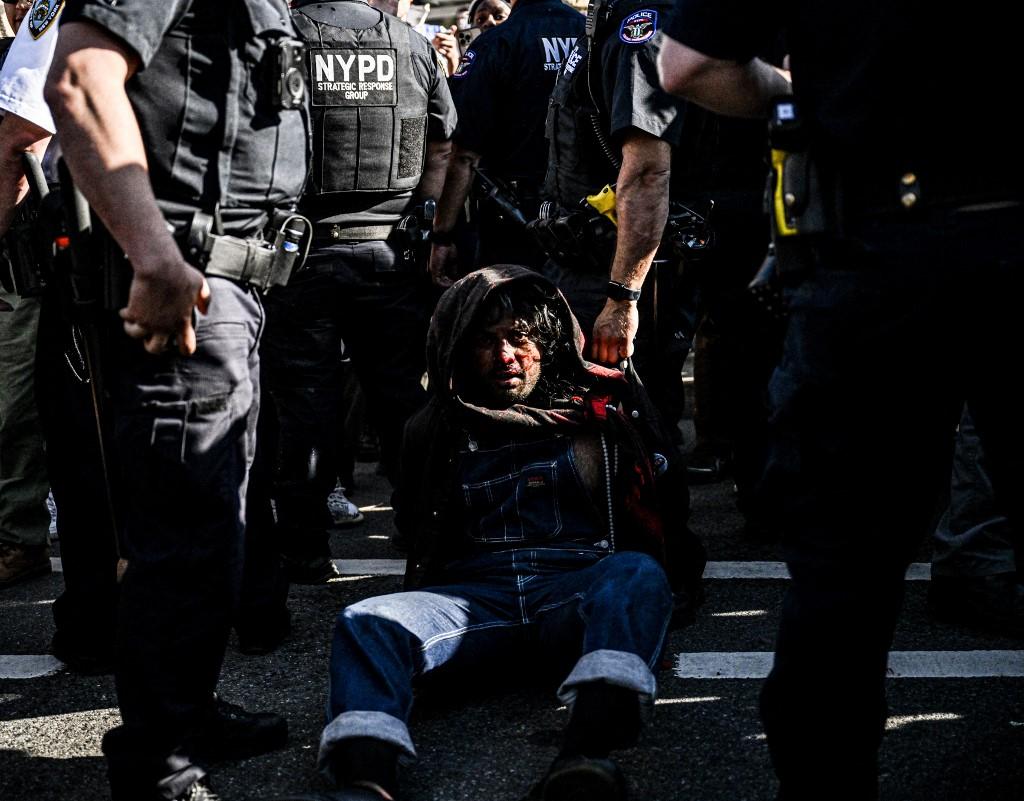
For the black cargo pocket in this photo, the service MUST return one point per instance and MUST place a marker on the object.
(167, 432)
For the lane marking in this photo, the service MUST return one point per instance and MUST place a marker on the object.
(900, 721)
(742, 613)
(902, 665)
(919, 571)
(705, 699)
(371, 567)
(29, 666)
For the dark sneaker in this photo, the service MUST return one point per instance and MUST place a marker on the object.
(314, 570)
(88, 658)
(581, 778)
(233, 733)
(22, 562)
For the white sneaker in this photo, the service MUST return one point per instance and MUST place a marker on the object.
(52, 509)
(343, 511)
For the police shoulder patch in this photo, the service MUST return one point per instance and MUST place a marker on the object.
(639, 26)
(465, 64)
(42, 15)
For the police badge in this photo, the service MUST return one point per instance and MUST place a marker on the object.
(639, 26)
(43, 14)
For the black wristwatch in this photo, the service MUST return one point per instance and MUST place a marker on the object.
(441, 238)
(617, 291)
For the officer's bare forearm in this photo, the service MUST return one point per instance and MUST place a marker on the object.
(456, 187)
(102, 143)
(17, 137)
(434, 169)
(641, 206)
(726, 87)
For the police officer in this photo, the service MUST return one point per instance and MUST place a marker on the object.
(912, 220)
(43, 348)
(382, 118)
(610, 124)
(25, 126)
(501, 90)
(154, 153)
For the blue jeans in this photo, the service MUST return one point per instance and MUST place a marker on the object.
(609, 613)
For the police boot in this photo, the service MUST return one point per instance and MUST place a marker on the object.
(365, 768)
(604, 717)
(231, 732)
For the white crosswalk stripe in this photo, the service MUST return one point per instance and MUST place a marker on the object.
(919, 571)
(902, 665)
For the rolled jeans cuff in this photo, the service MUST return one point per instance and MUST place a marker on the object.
(621, 668)
(362, 723)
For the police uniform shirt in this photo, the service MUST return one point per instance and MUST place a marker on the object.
(502, 85)
(202, 97)
(881, 87)
(627, 95)
(28, 61)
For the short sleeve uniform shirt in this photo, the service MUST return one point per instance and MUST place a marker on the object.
(28, 62)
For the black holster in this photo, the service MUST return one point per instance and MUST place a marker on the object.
(262, 263)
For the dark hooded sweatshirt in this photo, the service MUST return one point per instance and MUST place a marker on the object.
(429, 517)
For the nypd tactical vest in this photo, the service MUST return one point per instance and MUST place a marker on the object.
(369, 114)
(578, 165)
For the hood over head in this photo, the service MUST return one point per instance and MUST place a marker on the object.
(458, 312)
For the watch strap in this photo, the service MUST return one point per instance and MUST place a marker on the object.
(617, 291)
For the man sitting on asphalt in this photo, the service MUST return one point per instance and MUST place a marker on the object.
(530, 501)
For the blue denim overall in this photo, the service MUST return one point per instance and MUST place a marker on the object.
(540, 581)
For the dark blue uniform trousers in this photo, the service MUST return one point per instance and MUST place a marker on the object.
(357, 294)
(185, 435)
(924, 308)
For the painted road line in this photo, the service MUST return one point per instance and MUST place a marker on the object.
(919, 571)
(29, 666)
(902, 665)
(371, 567)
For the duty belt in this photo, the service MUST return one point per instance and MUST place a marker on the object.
(353, 233)
(261, 263)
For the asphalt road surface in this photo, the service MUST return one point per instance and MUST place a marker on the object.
(955, 732)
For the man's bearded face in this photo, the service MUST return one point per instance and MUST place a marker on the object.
(505, 362)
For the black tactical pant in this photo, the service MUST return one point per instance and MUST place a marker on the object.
(855, 481)
(360, 294)
(85, 613)
(185, 434)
